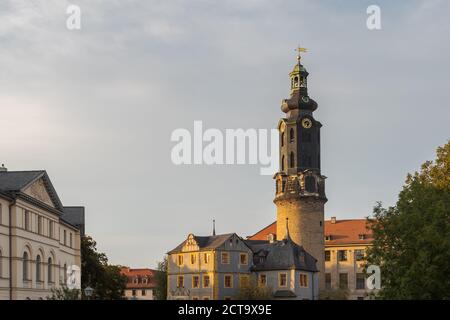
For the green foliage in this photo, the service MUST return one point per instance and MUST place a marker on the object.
(412, 239)
(64, 293)
(161, 280)
(252, 291)
(334, 294)
(106, 280)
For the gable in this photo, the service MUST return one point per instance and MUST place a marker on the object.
(38, 191)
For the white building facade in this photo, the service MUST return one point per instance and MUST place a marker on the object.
(38, 242)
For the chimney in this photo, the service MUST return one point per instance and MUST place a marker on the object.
(333, 220)
(3, 169)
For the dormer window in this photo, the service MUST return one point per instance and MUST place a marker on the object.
(362, 236)
(327, 237)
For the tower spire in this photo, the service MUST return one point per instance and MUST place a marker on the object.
(287, 236)
(214, 227)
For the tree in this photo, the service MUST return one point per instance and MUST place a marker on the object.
(161, 280)
(253, 291)
(412, 239)
(106, 280)
(334, 294)
(64, 293)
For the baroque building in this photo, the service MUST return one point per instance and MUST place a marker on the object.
(300, 187)
(346, 242)
(39, 237)
(300, 254)
(141, 283)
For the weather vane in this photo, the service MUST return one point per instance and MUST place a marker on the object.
(299, 50)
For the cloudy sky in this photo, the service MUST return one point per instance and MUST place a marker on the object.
(96, 107)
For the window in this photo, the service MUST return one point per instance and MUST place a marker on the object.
(180, 260)
(40, 224)
(282, 279)
(206, 257)
(282, 163)
(65, 273)
(310, 184)
(244, 281)
(143, 293)
(343, 280)
(206, 282)
(133, 293)
(194, 298)
(50, 228)
(328, 237)
(1, 260)
(195, 281)
(70, 240)
(27, 220)
(225, 257)
(180, 281)
(362, 236)
(243, 258)
(327, 255)
(49, 270)
(38, 268)
(359, 254)
(65, 237)
(327, 280)
(25, 266)
(262, 279)
(227, 298)
(303, 280)
(205, 298)
(291, 135)
(192, 258)
(342, 255)
(282, 139)
(360, 281)
(292, 160)
(228, 281)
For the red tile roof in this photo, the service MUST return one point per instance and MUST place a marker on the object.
(139, 278)
(342, 232)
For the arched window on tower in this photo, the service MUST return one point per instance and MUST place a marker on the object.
(292, 160)
(310, 184)
(282, 139)
(282, 163)
(291, 135)
(295, 82)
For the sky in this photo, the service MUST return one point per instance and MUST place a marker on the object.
(96, 107)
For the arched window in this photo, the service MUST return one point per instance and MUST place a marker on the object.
(292, 160)
(282, 139)
(310, 184)
(25, 266)
(38, 268)
(282, 163)
(49, 270)
(291, 135)
(295, 82)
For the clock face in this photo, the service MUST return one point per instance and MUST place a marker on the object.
(305, 99)
(306, 123)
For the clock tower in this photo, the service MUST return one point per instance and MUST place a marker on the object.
(300, 186)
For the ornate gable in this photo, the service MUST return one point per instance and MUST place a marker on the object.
(39, 191)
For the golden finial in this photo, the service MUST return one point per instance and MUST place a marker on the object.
(299, 50)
